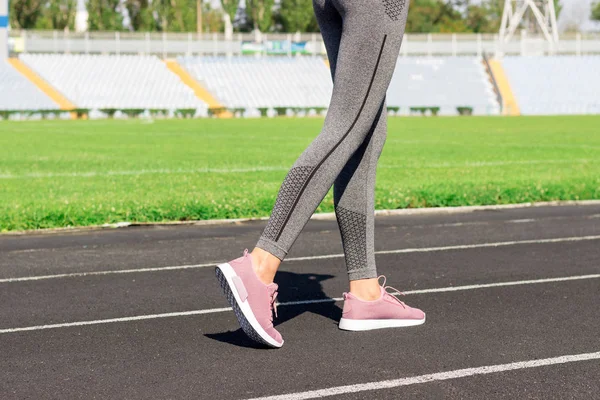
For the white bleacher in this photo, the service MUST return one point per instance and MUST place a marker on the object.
(263, 82)
(445, 82)
(551, 85)
(105, 81)
(18, 93)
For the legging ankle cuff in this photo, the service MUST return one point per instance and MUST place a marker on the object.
(362, 274)
(271, 247)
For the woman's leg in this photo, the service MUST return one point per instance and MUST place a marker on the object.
(354, 199)
(354, 187)
(368, 50)
(331, 27)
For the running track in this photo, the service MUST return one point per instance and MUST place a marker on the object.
(136, 312)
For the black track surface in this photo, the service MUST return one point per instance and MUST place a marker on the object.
(208, 356)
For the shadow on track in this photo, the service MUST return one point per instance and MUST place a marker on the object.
(292, 287)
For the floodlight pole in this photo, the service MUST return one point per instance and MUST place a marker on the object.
(3, 29)
(513, 16)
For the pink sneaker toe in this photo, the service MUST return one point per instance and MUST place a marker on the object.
(275, 335)
(417, 314)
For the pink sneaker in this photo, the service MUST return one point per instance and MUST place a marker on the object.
(252, 300)
(385, 312)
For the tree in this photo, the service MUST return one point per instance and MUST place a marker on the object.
(175, 15)
(61, 13)
(478, 19)
(558, 7)
(297, 15)
(434, 16)
(25, 13)
(260, 14)
(596, 11)
(104, 15)
(140, 15)
(45, 14)
(212, 20)
(477, 16)
(162, 9)
(484, 17)
(230, 7)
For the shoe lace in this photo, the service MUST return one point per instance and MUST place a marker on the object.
(273, 298)
(394, 294)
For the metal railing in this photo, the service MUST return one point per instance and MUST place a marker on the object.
(172, 44)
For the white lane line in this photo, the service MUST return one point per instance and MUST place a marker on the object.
(112, 320)
(440, 376)
(499, 284)
(459, 288)
(462, 247)
(308, 258)
(110, 272)
(296, 303)
(169, 171)
(476, 164)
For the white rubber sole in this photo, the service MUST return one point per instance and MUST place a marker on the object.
(243, 312)
(370, 324)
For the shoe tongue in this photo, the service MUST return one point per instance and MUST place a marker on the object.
(393, 299)
(272, 288)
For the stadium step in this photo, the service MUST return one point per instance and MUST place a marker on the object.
(510, 106)
(198, 89)
(44, 86)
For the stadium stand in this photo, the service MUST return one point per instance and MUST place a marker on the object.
(146, 82)
(445, 82)
(263, 82)
(547, 85)
(18, 93)
(103, 81)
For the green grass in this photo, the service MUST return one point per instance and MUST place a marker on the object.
(74, 173)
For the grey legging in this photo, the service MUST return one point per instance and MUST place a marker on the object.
(362, 38)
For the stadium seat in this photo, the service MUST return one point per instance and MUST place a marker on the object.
(104, 81)
(263, 82)
(252, 82)
(144, 82)
(18, 93)
(551, 85)
(445, 82)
